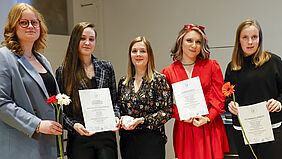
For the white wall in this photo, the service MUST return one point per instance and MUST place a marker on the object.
(57, 44)
(160, 21)
(91, 11)
(56, 50)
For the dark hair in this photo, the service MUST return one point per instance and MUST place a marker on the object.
(73, 71)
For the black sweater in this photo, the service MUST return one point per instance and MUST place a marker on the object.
(254, 85)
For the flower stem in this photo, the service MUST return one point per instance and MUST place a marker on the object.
(243, 129)
(59, 136)
(61, 147)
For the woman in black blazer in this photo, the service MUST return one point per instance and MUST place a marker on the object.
(81, 70)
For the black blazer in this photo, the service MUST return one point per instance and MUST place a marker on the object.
(105, 78)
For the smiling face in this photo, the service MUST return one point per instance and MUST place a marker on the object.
(139, 55)
(191, 45)
(249, 40)
(30, 33)
(87, 42)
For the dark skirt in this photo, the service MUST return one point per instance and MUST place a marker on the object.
(140, 144)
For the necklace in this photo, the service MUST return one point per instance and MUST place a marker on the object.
(189, 70)
(89, 70)
(188, 64)
(29, 57)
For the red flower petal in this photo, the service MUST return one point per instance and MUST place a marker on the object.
(228, 89)
(52, 99)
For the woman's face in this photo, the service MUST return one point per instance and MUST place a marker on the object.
(249, 40)
(28, 27)
(191, 45)
(139, 55)
(87, 42)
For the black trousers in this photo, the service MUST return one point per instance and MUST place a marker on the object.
(141, 145)
(267, 150)
(98, 146)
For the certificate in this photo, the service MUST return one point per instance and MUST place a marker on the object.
(189, 98)
(97, 109)
(256, 123)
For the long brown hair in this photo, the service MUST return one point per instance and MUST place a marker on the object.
(260, 56)
(73, 72)
(150, 65)
(177, 52)
(11, 40)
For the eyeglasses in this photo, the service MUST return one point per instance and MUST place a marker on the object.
(25, 23)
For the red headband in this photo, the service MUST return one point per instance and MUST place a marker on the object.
(190, 27)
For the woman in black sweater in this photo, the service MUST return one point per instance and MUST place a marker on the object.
(257, 76)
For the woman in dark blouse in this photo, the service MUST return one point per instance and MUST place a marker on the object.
(145, 102)
(81, 70)
(257, 76)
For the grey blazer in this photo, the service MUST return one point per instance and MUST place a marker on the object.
(23, 105)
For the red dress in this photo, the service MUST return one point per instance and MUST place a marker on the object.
(208, 141)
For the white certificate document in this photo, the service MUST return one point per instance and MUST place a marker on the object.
(189, 98)
(97, 109)
(256, 123)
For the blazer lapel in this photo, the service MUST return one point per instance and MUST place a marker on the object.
(99, 73)
(49, 69)
(33, 73)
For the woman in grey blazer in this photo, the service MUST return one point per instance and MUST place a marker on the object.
(27, 126)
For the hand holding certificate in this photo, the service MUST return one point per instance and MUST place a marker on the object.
(189, 98)
(256, 122)
(97, 110)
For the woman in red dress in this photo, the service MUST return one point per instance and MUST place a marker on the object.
(199, 137)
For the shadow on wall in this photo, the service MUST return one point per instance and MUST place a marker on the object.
(54, 13)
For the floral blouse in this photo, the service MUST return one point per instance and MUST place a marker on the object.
(152, 101)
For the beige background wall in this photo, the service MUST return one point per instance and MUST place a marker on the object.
(161, 20)
(120, 21)
(5, 6)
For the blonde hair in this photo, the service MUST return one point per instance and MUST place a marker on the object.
(177, 52)
(150, 65)
(11, 40)
(260, 56)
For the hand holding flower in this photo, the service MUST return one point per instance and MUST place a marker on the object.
(228, 90)
(54, 127)
(273, 105)
(233, 108)
(50, 127)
